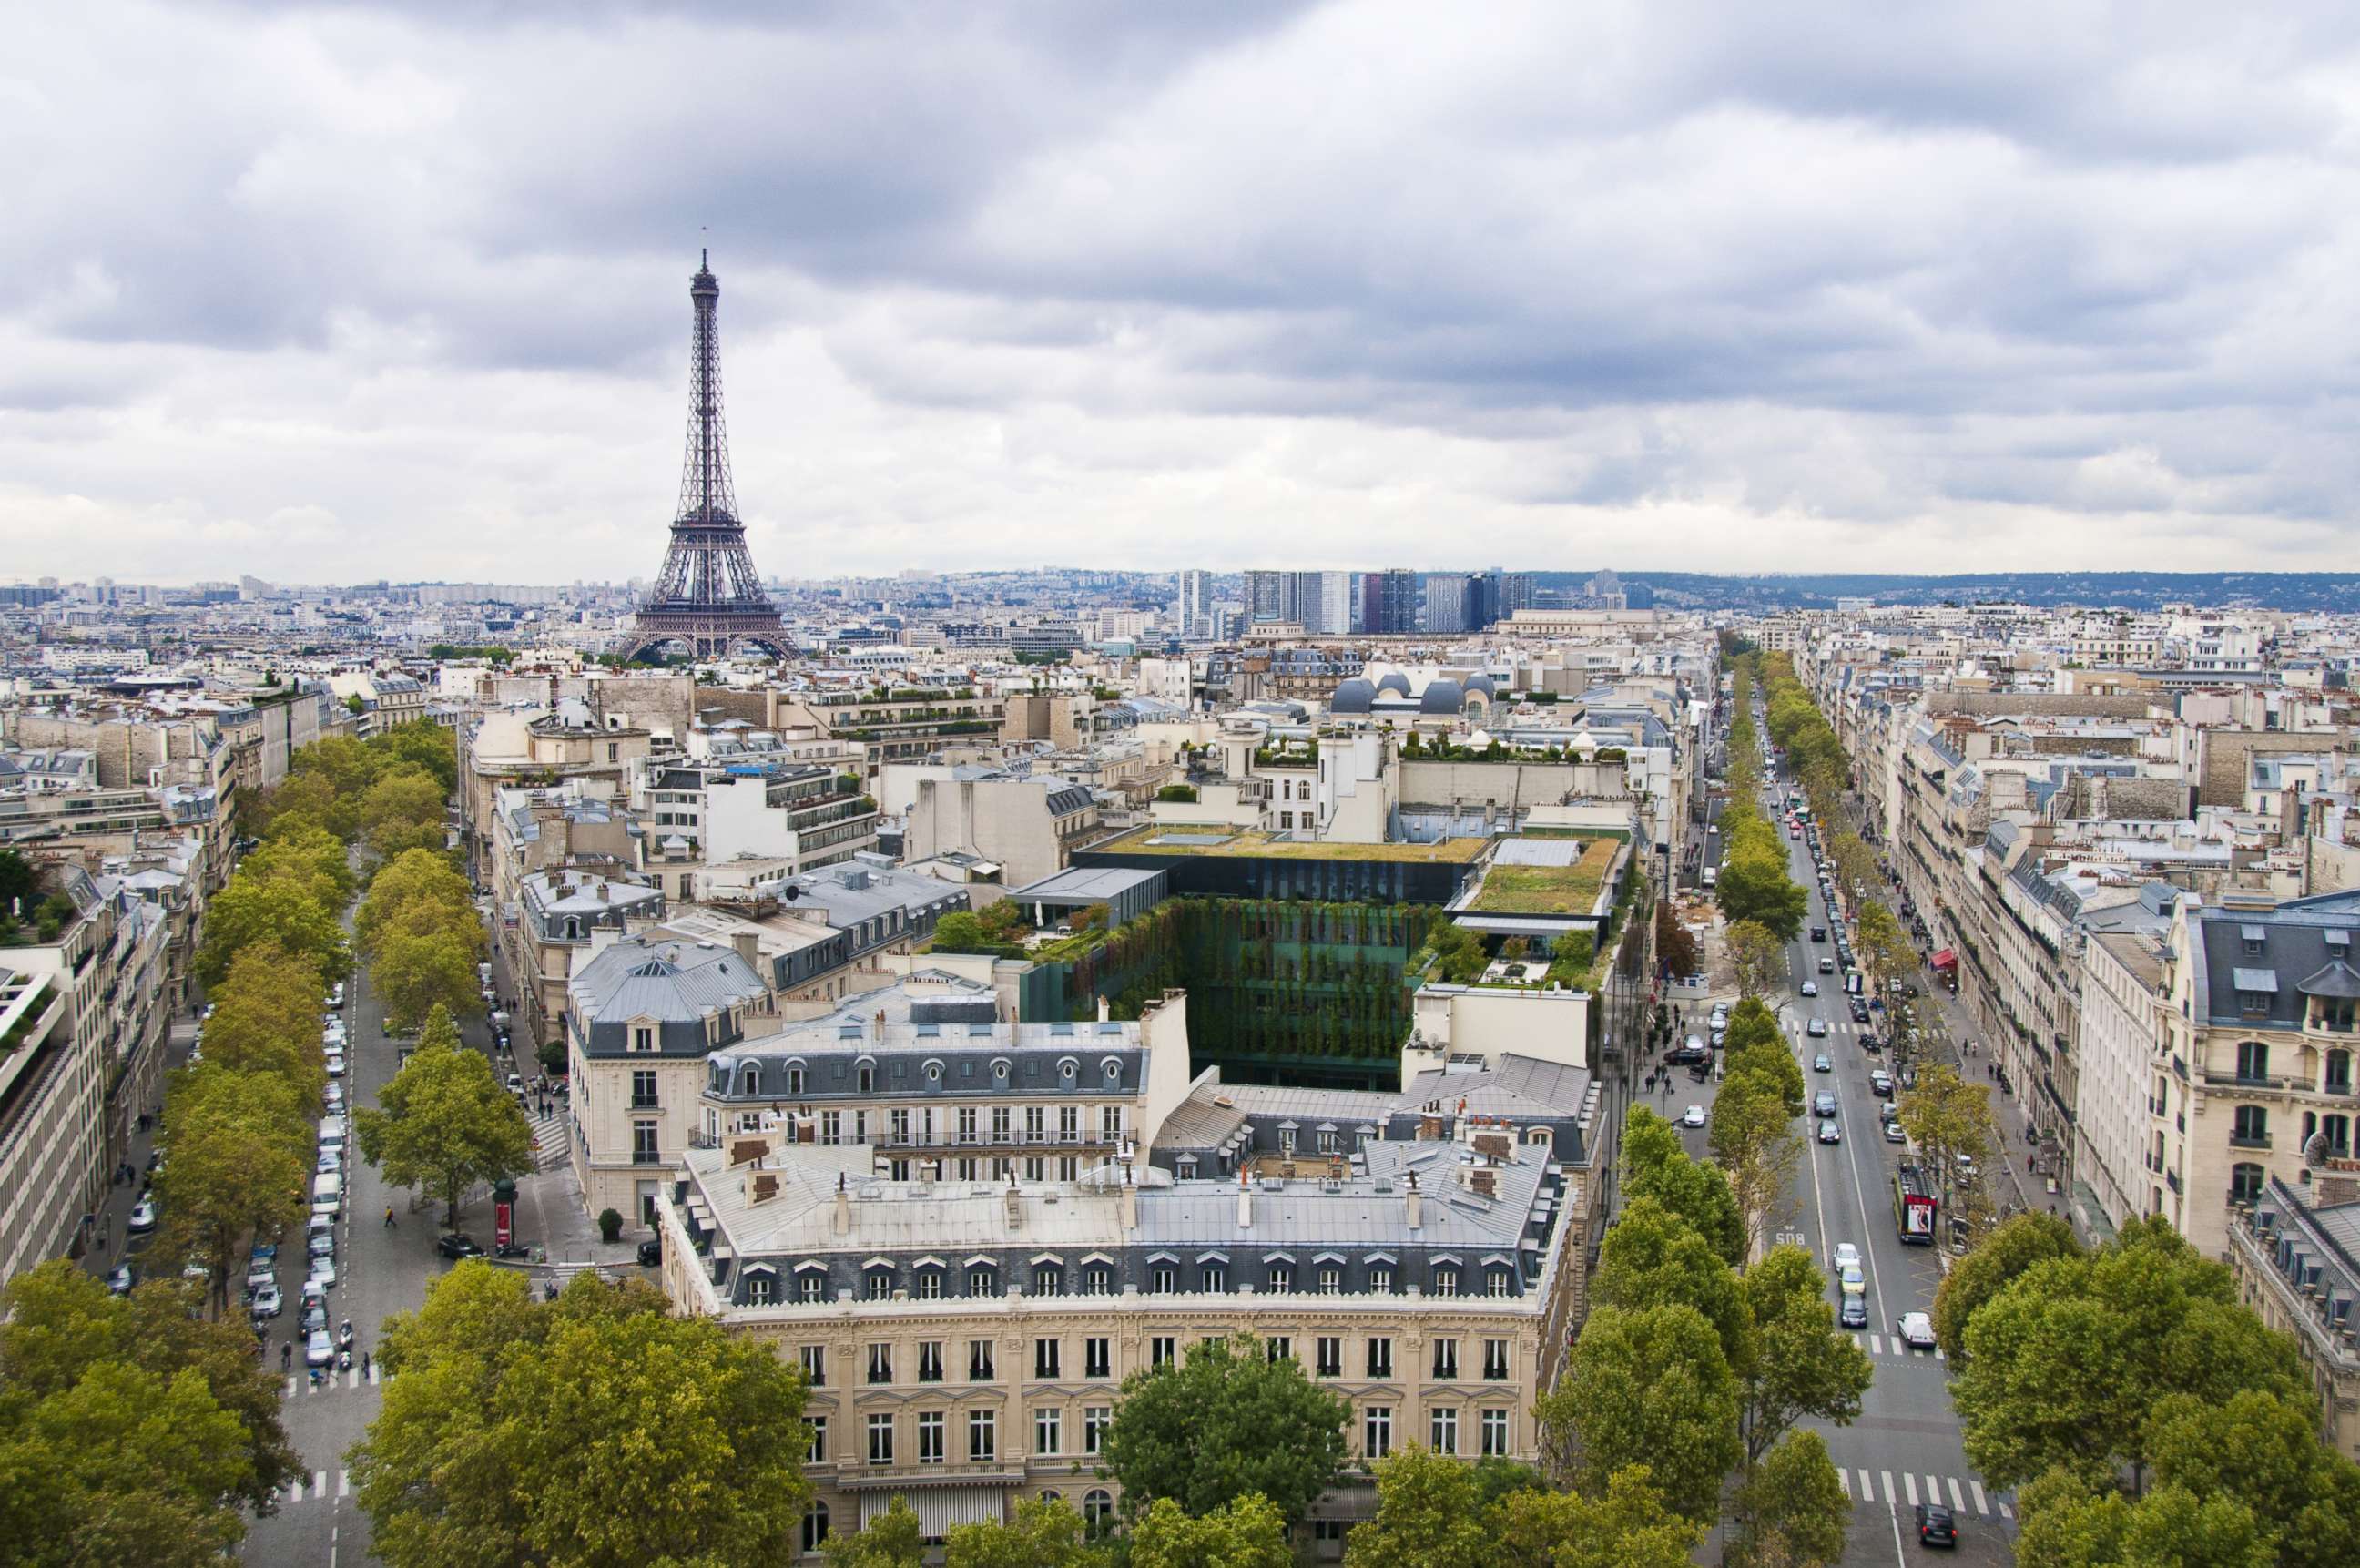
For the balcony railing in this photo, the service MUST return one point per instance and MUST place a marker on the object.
(2254, 1141)
(2241, 1080)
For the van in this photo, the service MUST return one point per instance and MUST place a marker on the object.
(332, 1133)
(327, 1192)
(1713, 876)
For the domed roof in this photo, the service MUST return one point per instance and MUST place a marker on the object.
(1442, 695)
(1480, 684)
(1354, 696)
(1394, 681)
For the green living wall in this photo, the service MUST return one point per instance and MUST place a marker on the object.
(1278, 992)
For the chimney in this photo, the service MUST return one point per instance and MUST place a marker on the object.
(1415, 1213)
(1130, 1200)
(1102, 1009)
(842, 1206)
(744, 942)
(1015, 1206)
(1245, 1201)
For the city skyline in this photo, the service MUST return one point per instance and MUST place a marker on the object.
(1871, 292)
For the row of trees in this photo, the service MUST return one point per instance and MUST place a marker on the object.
(1754, 890)
(422, 937)
(1702, 1357)
(2147, 1416)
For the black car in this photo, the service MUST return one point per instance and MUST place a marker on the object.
(1859, 1010)
(1936, 1527)
(457, 1246)
(652, 1253)
(1818, 933)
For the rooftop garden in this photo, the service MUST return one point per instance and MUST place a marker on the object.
(1548, 890)
(1141, 842)
(1442, 749)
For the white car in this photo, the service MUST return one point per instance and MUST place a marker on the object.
(267, 1303)
(1847, 1254)
(1916, 1329)
(318, 1350)
(331, 1162)
(335, 1098)
(1811, 988)
(1692, 1117)
(324, 1275)
(143, 1216)
(335, 1064)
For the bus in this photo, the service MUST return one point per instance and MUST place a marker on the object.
(1913, 1205)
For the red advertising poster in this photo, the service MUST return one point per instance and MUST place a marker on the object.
(503, 1224)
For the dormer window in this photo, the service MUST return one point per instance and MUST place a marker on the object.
(643, 1038)
(795, 1079)
(2255, 939)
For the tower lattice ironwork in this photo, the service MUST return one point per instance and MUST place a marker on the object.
(708, 595)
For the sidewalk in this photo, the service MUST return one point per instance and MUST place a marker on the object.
(106, 1240)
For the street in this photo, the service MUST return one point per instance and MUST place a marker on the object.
(1905, 1446)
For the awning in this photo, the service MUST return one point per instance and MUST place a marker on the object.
(939, 1507)
(1945, 958)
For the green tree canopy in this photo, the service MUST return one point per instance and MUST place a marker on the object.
(418, 892)
(238, 1148)
(1654, 1257)
(1225, 1422)
(267, 1017)
(520, 1432)
(443, 1122)
(1760, 956)
(1753, 1137)
(1625, 1526)
(1793, 1510)
(1429, 1515)
(1656, 1165)
(1045, 1533)
(1248, 1533)
(415, 974)
(281, 911)
(2004, 1252)
(1653, 1382)
(1801, 1365)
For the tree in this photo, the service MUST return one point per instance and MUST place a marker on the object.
(1948, 1117)
(421, 743)
(2068, 1523)
(1045, 1533)
(2004, 1252)
(1428, 1515)
(519, 1431)
(1793, 1510)
(2067, 1361)
(958, 932)
(417, 893)
(417, 974)
(1656, 1165)
(19, 882)
(1800, 1365)
(1754, 885)
(894, 1538)
(1675, 947)
(1248, 1533)
(1760, 957)
(305, 798)
(1753, 1137)
(306, 855)
(279, 911)
(1652, 1257)
(1652, 1382)
(446, 1123)
(402, 810)
(1627, 1526)
(238, 1149)
(2264, 1451)
(267, 1017)
(1226, 1422)
(130, 1432)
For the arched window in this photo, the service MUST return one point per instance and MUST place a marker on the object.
(1098, 1509)
(2250, 1128)
(815, 1526)
(2252, 1059)
(754, 1079)
(867, 1074)
(796, 1078)
(2245, 1183)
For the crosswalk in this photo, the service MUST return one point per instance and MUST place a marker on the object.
(313, 1487)
(548, 1135)
(1893, 1345)
(300, 1382)
(1962, 1498)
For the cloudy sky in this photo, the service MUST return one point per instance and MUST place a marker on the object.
(328, 293)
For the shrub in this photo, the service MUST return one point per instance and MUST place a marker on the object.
(610, 1224)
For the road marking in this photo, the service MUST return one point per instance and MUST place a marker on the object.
(2005, 1512)
(1933, 1491)
(1911, 1482)
(1981, 1507)
(345, 1484)
(1856, 1344)
(1938, 1355)
(1888, 1476)
(1958, 1504)
(295, 1490)
(1876, 1345)
(1867, 1491)
(319, 1482)
(1843, 1479)
(353, 1377)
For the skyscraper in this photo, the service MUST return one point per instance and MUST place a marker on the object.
(1196, 603)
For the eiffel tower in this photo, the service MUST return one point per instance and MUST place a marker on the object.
(707, 599)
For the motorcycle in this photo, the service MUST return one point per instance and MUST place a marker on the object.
(344, 1359)
(345, 1336)
(511, 1249)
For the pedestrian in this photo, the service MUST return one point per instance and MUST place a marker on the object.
(388, 1217)
(365, 1364)
(286, 1355)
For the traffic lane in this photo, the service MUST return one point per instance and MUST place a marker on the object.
(1905, 1447)
(317, 1520)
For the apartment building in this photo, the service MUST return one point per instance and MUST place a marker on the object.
(50, 1143)
(966, 1338)
(801, 815)
(593, 750)
(2296, 1254)
(559, 917)
(893, 723)
(1026, 825)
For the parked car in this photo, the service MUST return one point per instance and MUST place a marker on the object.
(143, 1217)
(267, 1302)
(1692, 1117)
(335, 1064)
(1880, 1083)
(315, 1317)
(652, 1253)
(1859, 1009)
(454, 1245)
(323, 1275)
(1936, 1527)
(1916, 1329)
(318, 1350)
(1894, 1135)
(322, 1243)
(122, 1279)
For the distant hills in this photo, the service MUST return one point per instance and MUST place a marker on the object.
(2333, 591)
